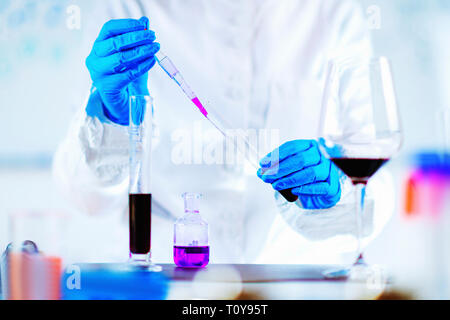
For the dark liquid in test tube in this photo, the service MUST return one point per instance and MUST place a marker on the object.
(140, 206)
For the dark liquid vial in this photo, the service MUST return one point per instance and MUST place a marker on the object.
(140, 206)
(359, 170)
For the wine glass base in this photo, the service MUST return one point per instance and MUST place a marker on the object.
(337, 274)
(359, 272)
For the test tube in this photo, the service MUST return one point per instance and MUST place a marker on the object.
(140, 196)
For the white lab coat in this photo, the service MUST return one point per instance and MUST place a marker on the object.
(261, 64)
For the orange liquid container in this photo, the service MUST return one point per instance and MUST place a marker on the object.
(54, 270)
(411, 197)
(33, 277)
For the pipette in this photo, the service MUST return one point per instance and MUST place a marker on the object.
(167, 65)
(244, 146)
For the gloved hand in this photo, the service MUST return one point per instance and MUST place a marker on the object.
(299, 165)
(119, 62)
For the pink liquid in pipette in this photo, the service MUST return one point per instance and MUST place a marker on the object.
(200, 106)
(205, 113)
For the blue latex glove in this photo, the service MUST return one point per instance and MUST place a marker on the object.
(119, 62)
(299, 165)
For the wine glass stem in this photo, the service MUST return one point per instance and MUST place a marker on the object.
(360, 191)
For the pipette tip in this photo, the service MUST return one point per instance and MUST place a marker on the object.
(200, 107)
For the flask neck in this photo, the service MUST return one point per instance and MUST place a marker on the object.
(191, 202)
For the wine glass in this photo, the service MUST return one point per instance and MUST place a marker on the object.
(359, 131)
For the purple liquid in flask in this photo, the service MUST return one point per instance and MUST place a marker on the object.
(191, 246)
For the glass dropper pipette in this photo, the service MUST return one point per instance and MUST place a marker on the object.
(244, 146)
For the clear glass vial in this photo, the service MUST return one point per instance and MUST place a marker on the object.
(191, 245)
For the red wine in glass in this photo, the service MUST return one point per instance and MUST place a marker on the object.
(359, 170)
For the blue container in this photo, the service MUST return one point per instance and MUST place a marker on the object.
(112, 282)
(433, 162)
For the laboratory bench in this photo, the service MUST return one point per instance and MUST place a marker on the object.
(215, 282)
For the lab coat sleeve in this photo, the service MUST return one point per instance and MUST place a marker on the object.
(351, 38)
(91, 164)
